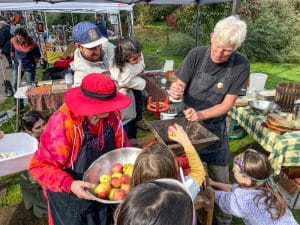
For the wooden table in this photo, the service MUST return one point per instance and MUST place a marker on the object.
(52, 98)
(284, 148)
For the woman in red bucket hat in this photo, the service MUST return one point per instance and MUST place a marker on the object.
(87, 126)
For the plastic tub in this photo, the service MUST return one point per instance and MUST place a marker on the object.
(22, 146)
(257, 81)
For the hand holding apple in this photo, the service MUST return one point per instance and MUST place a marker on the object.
(178, 134)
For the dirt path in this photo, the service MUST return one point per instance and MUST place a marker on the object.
(18, 215)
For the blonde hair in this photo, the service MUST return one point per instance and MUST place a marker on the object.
(230, 31)
(155, 162)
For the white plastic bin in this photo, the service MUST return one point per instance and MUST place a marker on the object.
(257, 81)
(23, 146)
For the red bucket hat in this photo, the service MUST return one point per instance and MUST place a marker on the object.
(97, 94)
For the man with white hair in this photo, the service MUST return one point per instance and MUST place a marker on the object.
(209, 80)
(93, 54)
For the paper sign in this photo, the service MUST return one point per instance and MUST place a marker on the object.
(168, 65)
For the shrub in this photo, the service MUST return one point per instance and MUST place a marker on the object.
(274, 33)
(180, 44)
(209, 15)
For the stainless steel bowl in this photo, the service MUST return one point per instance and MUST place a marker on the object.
(103, 165)
(263, 107)
(266, 95)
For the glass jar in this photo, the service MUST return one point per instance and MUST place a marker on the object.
(297, 109)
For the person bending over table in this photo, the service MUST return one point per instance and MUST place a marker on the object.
(87, 126)
(209, 80)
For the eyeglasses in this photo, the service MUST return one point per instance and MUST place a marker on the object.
(217, 45)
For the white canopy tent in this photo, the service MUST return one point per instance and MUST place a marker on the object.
(66, 6)
(69, 7)
(177, 2)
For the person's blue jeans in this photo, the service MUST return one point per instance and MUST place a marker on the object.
(29, 75)
(138, 97)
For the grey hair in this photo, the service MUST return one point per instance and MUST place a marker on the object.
(3, 24)
(230, 30)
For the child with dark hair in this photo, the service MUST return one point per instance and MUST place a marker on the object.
(128, 64)
(33, 123)
(256, 198)
(158, 161)
(159, 202)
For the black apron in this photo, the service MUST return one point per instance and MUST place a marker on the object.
(205, 91)
(67, 208)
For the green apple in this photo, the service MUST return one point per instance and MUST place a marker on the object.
(105, 178)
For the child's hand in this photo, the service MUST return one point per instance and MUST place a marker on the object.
(177, 133)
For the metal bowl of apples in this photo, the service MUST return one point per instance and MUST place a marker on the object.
(111, 174)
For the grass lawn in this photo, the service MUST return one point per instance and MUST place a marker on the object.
(154, 39)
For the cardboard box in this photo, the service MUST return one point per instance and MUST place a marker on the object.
(290, 190)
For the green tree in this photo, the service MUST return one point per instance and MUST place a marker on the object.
(209, 15)
(273, 32)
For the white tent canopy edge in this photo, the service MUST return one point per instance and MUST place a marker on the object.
(171, 2)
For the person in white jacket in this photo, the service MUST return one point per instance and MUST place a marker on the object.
(128, 65)
(94, 54)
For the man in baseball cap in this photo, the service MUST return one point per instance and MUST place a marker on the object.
(94, 54)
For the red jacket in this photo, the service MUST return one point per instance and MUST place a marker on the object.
(61, 141)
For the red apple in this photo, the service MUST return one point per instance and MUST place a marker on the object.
(125, 187)
(117, 168)
(102, 190)
(170, 131)
(128, 169)
(125, 179)
(105, 178)
(119, 175)
(115, 182)
(119, 194)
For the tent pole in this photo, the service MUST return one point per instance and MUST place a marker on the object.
(131, 24)
(235, 7)
(197, 24)
(26, 20)
(46, 23)
(72, 19)
(120, 25)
